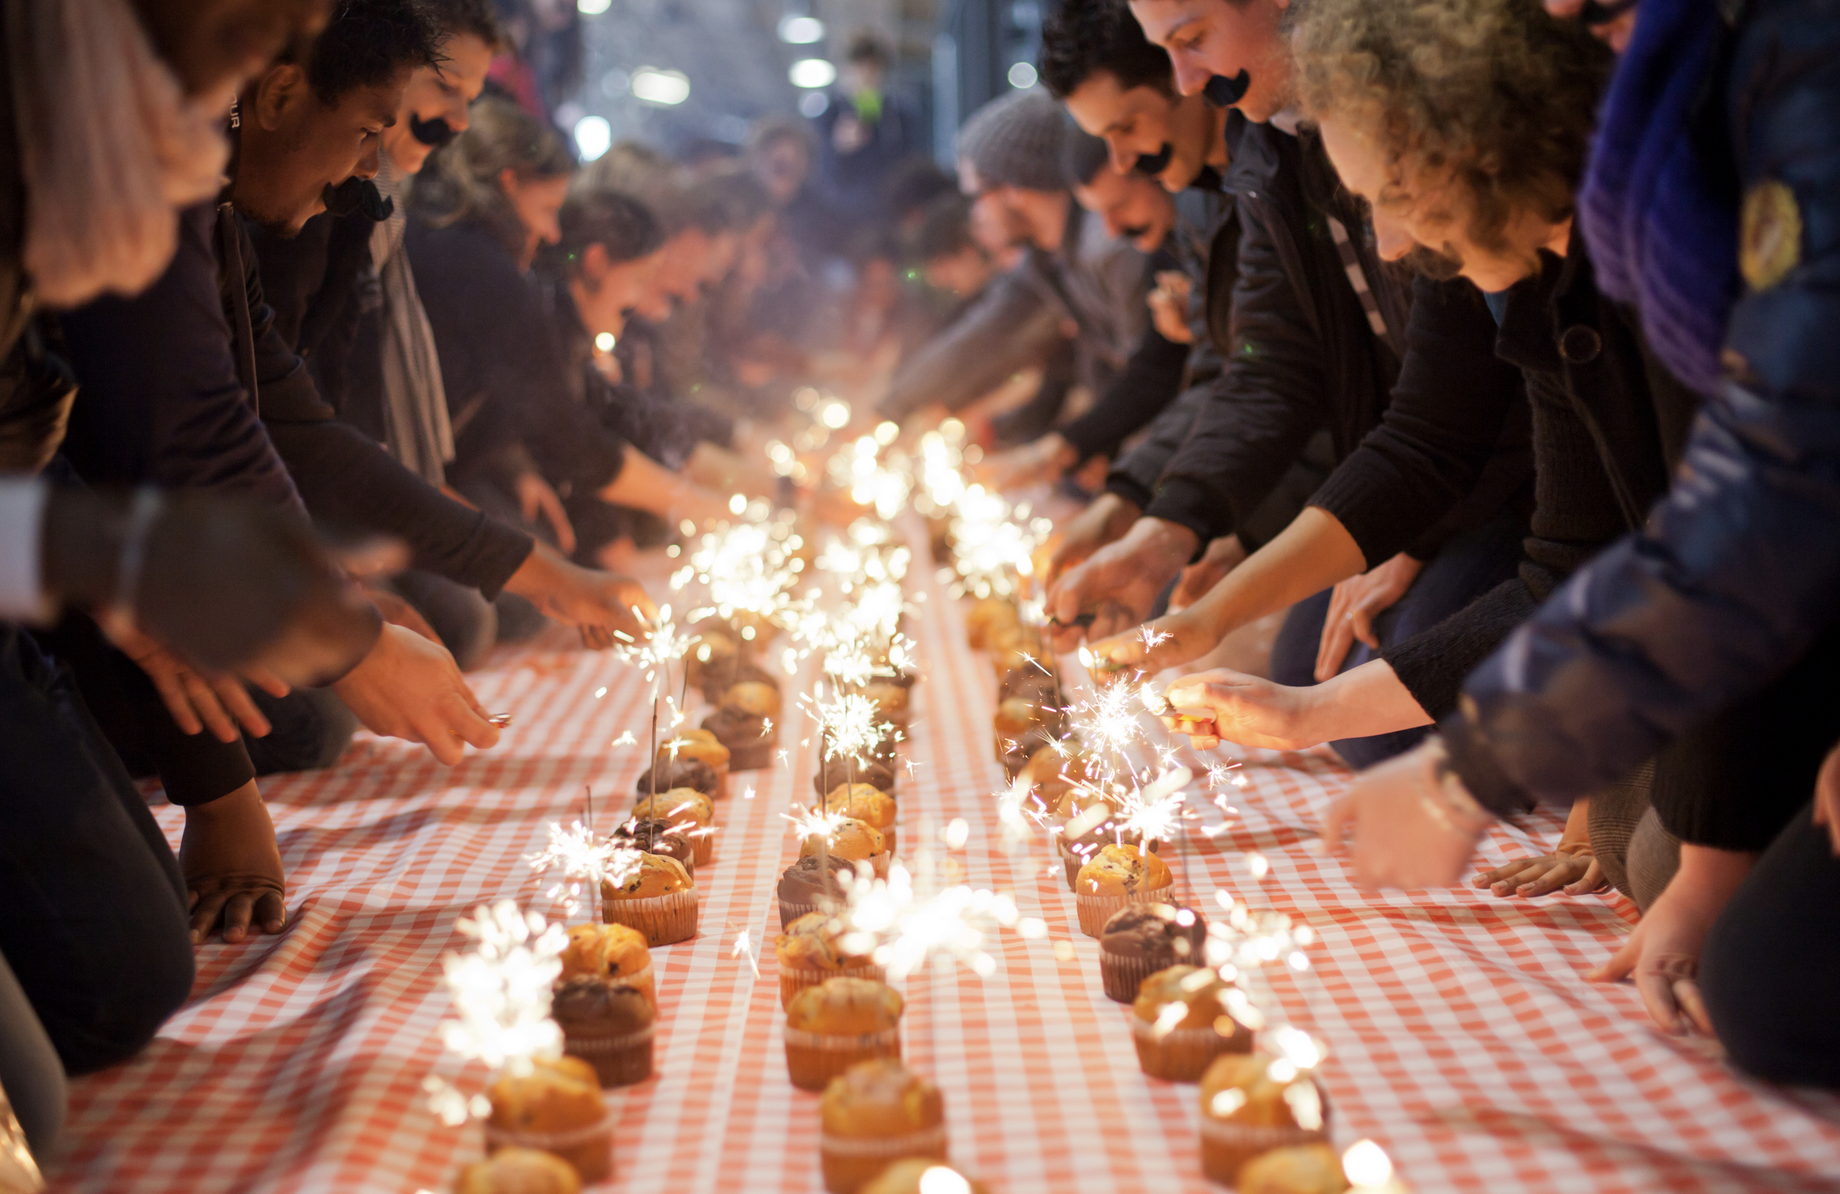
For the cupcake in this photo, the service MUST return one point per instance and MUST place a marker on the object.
(1180, 1024)
(699, 744)
(608, 1025)
(1306, 1169)
(1142, 939)
(659, 900)
(1246, 1112)
(1114, 877)
(891, 701)
(747, 723)
(839, 1022)
(1021, 728)
(556, 1108)
(1031, 684)
(690, 811)
(852, 841)
(875, 1113)
(613, 952)
(657, 836)
(986, 616)
(877, 773)
(805, 884)
(865, 803)
(714, 659)
(677, 773)
(1089, 825)
(518, 1171)
(810, 952)
(918, 1175)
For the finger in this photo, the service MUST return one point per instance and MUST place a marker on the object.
(642, 601)
(466, 720)
(271, 912)
(1337, 638)
(237, 701)
(1621, 962)
(1203, 741)
(236, 916)
(267, 681)
(445, 746)
(206, 703)
(1362, 624)
(1687, 997)
(172, 695)
(1658, 997)
(205, 913)
(1552, 880)
(1335, 823)
(1590, 881)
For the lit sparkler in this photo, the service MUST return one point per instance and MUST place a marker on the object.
(582, 859)
(501, 988)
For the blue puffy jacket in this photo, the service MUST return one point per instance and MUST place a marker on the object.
(1738, 568)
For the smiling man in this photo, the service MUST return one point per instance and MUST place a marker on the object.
(1118, 87)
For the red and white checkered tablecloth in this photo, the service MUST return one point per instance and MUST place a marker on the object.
(1462, 1034)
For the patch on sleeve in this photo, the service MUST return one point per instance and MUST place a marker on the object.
(1770, 234)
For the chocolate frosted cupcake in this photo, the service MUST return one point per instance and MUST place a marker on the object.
(747, 724)
(654, 835)
(681, 772)
(699, 744)
(809, 881)
(608, 1025)
(1142, 939)
(877, 773)
(692, 812)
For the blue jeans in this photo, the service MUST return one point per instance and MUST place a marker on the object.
(1469, 565)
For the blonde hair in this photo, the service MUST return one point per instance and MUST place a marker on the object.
(1494, 97)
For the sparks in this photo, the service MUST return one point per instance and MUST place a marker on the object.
(584, 861)
(626, 739)
(501, 988)
(744, 947)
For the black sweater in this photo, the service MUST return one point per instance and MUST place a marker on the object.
(1598, 448)
(507, 377)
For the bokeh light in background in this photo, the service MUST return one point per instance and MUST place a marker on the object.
(654, 86)
(593, 137)
(795, 30)
(812, 73)
(1022, 76)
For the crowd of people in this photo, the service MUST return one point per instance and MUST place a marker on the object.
(1486, 345)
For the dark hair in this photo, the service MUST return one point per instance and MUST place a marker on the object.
(1082, 157)
(463, 18)
(460, 182)
(367, 43)
(916, 181)
(866, 46)
(944, 231)
(618, 223)
(731, 199)
(1084, 37)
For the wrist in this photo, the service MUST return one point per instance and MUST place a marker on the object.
(1173, 544)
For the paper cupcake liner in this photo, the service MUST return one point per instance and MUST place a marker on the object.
(1095, 910)
(1226, 1146)
(793, 979)
(814, 1058)
(588, 1149)
(664, 919)
(1121, 976)
(850, 1163)
(1183, 1054)
(617, 1060)
(790, 911)
(703, 848)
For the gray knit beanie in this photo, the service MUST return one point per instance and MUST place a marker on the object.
(1015, 140)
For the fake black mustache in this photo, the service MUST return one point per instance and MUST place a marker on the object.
(1223, 92)
(356, 194)
(1154, 164)
(1136, 233)
(434, 133)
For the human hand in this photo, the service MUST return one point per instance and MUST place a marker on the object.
(1169, 306)
(1413, 827)
(1221, 704)
(1043, 459)
(1663, 952)
(232, 867)
(1827, 797)
(1118, 583)
(598, 604)
(411, 689)
(1222, 556)
(1354, 605)
(535, 497)
(1105, 520)
(1572, 865)
(197, 698)
(397, 611)
(226, 584)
